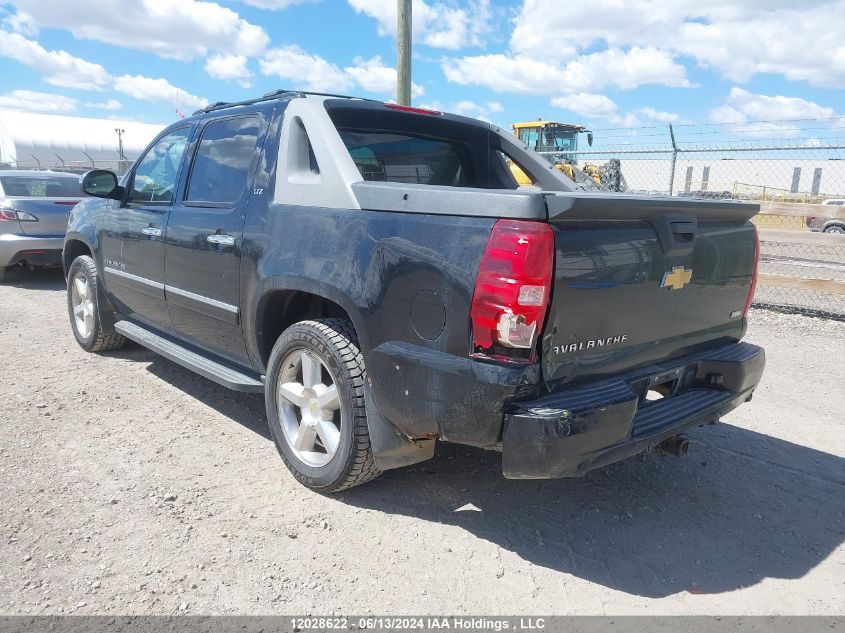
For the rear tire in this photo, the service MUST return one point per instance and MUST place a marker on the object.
(84, 308)
(835, 228)
(315, 405)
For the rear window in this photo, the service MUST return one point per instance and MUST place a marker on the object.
(389, 145)
(401, 157)
(40, 187)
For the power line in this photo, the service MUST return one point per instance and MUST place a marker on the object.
(795, 130)
(677, 125)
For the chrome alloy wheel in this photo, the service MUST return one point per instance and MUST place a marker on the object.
(83, 304)
(309, 408)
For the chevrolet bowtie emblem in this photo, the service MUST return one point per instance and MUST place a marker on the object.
(677, 279)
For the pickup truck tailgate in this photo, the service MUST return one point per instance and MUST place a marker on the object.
(639, 279)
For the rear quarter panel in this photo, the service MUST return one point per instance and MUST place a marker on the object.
(398, 276)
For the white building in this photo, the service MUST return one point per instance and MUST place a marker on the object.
(31, 141)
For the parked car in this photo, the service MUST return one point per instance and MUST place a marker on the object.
(374, 271)
(828, 225)
(34, 206)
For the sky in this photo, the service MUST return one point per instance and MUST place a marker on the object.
(761, 68)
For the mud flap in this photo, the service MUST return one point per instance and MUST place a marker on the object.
(392, 449)
(106, 311)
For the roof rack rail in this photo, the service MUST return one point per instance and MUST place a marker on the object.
(219, 105)
(322, 94)
(275, 94)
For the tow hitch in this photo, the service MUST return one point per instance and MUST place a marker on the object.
(677, 445)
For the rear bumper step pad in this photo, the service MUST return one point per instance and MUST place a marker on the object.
(569, 433)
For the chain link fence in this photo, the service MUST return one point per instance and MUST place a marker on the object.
(800, 186)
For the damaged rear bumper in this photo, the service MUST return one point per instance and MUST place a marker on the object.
(569, 433)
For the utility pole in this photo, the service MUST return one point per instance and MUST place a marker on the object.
(120, 143)
(121, 158)
(403, 53)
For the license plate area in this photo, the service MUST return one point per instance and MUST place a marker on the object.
(653, 389)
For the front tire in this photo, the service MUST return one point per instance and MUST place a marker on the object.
(315, 405)
(835, 228)
(84, 308)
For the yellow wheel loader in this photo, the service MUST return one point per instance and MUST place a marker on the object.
(559, 144)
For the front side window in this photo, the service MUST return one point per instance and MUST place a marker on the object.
(223, 160)
(155, 176)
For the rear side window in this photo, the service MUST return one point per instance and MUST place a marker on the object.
(41, 187)
(399, 157)
(223, 160)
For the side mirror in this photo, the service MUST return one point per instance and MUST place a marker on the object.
(590, 139)
(101, 183)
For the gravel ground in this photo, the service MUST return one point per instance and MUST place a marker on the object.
(128, 485)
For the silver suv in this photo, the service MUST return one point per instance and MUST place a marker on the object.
(34, 206)
(828, 224)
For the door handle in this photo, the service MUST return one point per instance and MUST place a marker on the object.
(223, 241)
(151, 231)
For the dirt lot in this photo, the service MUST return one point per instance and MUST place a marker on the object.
(130, 485)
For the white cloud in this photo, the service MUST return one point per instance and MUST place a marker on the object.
(304, 70)
(754, 114)
(613, 67)
(111, 104)
(660, 115)
(736, 38)
(37, 101)
(178, 29)
(20, 22)
(742, 105)
(275, 5)
(502, 73)
(307, 71)
(438, 24)
(58, 68)
(586, 104)
(150, 89)
(373, 76)
(727, 114)
(628, 69)
(595, 106)
(799, 44)
(228, 66)
(482, 111)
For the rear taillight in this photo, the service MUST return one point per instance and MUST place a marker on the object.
(754, 276)
(512, 291)
(11, 215)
